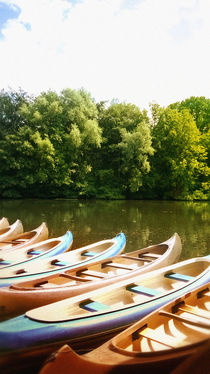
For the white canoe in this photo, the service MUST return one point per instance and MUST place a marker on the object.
(159, 341)
(4, 222)
(36, 251)
(86, 321)
(53, 265)
(23, 240)
(11, 231)
(21, 297)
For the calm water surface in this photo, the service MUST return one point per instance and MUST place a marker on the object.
(143, 222)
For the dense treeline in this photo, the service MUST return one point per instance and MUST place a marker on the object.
(67, 145)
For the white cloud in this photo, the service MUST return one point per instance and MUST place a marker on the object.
(136, 51)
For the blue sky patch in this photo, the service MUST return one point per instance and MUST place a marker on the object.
(7, 12)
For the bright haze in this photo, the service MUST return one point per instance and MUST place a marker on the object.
(136, 51)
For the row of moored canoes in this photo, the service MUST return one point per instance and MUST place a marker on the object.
(81, 301)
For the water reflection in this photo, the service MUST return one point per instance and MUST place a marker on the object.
(143, 222)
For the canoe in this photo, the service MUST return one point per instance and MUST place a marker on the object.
(161, 340)
(47, 266)
(23, 240)
(196, 363)
(4, 222)
(11, 231)
(20, 297)
(85, 321)
(36, 251)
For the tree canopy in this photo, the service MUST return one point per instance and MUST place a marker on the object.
(67, 145)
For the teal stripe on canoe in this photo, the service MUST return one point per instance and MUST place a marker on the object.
(35, 252)
(93, 306)
(89, 254)
(142, 290)
(4, 262)
(178, 276)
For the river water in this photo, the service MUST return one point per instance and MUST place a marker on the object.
(143, 222)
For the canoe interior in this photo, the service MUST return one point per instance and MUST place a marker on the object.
(140, 290)
(120, 265)
(60, 261)
(29, 252)
(181, 325)
(4, 230)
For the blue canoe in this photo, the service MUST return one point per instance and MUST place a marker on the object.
(53, 265)
(85, 321)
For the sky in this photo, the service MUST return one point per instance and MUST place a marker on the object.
(133, 51)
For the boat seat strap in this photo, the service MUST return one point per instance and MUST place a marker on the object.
(178, 276)
(89, 254)
(116, 265)
(151, 255)
(167, 340)
(93, 306)
(194, 322)
(91, 273)
(135, 258)
(142, 290)
(195, 310)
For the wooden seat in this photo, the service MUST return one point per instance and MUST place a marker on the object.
(195, 310)
(135, 258)
(151, 255)
(93, 306)
(178, 276)
(142, 290)
(116, 265)
(199, 323)
(166, 340)
(91, 273)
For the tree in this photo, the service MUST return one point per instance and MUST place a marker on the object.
(10, 117)
(199, 107)
(179, 168)
(125, 149)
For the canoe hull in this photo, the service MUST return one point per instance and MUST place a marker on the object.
(128, 352)
(4, 223)
(11, 231)
(15, 301)
(22, 336)
(43, 267)
(28, 238)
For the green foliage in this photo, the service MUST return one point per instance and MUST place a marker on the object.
(66, 145)
(126, 146)
(179, 165)
(199, 107)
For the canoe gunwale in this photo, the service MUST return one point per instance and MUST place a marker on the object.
(114, 310)
(140, 325)
(43, 273)
(133, 272)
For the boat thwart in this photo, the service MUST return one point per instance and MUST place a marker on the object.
(20, 297)
(160, 340)
(53, 265)
(43, 249)
(20, 241)
(96, 316)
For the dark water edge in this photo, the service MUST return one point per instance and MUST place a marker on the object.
(143, 222)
